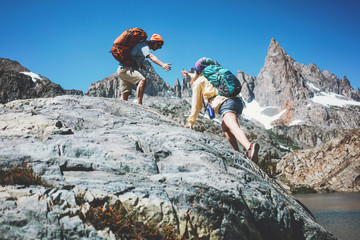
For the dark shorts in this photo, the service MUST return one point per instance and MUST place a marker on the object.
(231, 105)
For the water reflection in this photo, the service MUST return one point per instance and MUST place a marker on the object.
(339, 213)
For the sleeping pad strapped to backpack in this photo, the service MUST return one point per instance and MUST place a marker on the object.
(123, 45)
(223, 80)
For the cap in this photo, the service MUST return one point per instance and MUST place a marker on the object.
(156, 37)
(202, 63)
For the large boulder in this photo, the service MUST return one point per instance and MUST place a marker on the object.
(117, 151)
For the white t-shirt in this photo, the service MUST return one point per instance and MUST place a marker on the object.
(140, 52)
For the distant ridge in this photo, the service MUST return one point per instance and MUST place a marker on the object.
(18, 82)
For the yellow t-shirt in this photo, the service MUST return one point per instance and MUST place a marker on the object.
(203, 89)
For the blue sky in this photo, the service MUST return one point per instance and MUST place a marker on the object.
(69, 41)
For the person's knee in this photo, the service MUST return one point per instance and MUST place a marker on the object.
(142, 82)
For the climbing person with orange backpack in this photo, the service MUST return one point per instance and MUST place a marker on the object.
(221, 88)
(131, 49)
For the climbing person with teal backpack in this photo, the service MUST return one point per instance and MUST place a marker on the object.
(131, 49)
(221, 88)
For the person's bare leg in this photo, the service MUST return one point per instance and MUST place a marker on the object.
(125, 96)
(230, 120)
(140, 90)
(229, 136)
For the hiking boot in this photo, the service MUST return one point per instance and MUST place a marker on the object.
(253, 151)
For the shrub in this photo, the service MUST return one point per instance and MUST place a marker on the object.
(284, 140)
(22, 176)
(126, 225)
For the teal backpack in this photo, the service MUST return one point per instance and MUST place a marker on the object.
(223, 80)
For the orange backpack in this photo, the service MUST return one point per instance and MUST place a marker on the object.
(123, 45)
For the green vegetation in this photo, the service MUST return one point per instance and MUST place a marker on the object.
(284, 140)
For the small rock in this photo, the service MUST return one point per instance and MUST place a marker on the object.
(58, 124)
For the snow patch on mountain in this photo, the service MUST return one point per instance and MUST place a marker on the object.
(253, 111)
(332, 99)
(35, 77)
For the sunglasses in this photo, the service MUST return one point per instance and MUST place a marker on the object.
(159, 44)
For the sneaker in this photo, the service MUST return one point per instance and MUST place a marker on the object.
(253, 151)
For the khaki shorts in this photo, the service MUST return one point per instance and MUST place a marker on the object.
(128, 78)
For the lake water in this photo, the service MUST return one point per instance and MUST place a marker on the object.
(338, 213)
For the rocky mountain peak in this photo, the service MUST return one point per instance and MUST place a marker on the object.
(10, 65)
(282, 82)
(18, 82)
(345, 89)
(275, 49)
(279, 80)
(285, 80)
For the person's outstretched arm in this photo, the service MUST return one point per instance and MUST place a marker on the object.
(154, 59)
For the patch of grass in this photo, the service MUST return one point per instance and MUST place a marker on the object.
(21, 176)
(284, 140)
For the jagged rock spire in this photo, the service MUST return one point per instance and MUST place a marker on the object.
(279, 80)
(284, 84)
(274, 47)
(177, 88)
